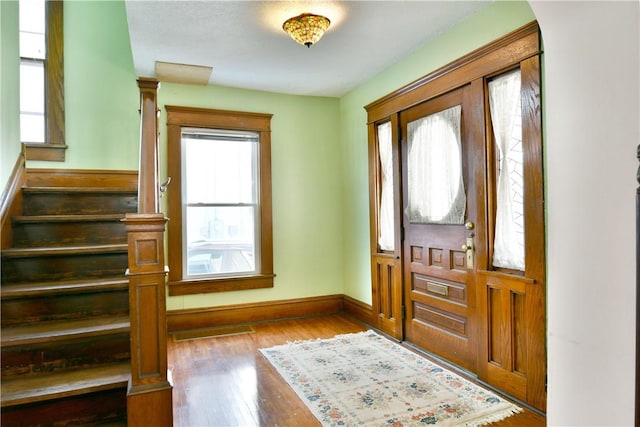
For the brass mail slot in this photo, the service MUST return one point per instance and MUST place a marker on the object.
(438, 288)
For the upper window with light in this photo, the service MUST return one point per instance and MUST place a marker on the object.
(42, 79)
(32, 57)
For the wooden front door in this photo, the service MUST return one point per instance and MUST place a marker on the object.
(439, 157)
(465, 276)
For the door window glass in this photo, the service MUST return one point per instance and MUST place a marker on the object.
(385, 209)
(435, 184)
(506, 118)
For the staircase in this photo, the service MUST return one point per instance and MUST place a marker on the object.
(65, 305)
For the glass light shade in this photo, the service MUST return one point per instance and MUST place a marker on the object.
(306, 28)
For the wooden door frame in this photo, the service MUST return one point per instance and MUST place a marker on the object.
(520, 48)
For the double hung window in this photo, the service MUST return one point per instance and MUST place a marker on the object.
(220, 202)
(219, 232)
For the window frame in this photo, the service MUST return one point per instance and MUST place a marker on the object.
(54, 146)
(189, 117)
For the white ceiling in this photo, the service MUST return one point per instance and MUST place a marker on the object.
(244, 42)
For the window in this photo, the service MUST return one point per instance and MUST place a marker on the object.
(435, 184)
(42, 79)
(219, 232)
(386, 228)
(32, 56)
(506, 116)
(220, 195)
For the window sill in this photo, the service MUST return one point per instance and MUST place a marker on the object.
(203, 286)
(46, 152)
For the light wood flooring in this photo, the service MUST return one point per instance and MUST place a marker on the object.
(224, 381)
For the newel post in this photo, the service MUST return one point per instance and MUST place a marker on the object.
(149, 396)
(148, 199)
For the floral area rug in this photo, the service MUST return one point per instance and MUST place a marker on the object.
(364, 379)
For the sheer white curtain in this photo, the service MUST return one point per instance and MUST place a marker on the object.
(436, 188)
(386, 235)
(504, 101)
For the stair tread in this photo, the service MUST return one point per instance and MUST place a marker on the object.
(88, 190)
(38, 387)
(43, 332)
(64, 250)
(66, 218)
(66, 287)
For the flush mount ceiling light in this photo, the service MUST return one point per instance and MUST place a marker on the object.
(306, 28)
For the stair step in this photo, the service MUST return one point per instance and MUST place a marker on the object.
(34, 290)
(56, 346)
(48, 332)
(38, 302)
(37, 388)
(61, 230)
(79, 190)
(82, 178)
(21, 265)
(78, 200)
(65, 250)
(65, 218)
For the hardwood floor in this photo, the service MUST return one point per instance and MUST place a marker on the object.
(224, 381)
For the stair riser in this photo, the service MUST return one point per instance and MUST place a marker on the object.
(49, 357)
(81, 410)
(22, 311)
(71, 204)
(65, 267)
(54, 234)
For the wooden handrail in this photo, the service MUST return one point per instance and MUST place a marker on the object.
(149, 396)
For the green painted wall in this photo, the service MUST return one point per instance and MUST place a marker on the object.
(319, 145)
(9, 89)
(306, 183)
(485, 26)
(101, 93)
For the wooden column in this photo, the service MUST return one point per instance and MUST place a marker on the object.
(149, 396)
(148, 198)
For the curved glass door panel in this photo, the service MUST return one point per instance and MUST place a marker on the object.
(435, 185)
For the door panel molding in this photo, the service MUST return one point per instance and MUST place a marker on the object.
(510, 349)
(387, 297)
